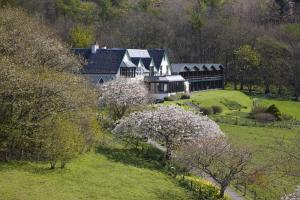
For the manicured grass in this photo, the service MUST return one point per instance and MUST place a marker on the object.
(287, 107)
(215, 97)
(100, 175)
(261, 141)
(258, 139)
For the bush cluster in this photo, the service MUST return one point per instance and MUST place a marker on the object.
(211, 110)
(217, 109)
(206, 110)
(232, 105)
(204, 189)
(274, 111)
(267, 114)
(264, 117)
(177, 97)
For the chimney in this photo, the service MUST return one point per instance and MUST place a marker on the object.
(95, 47)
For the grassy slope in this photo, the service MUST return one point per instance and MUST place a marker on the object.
(214, 97)
(288, 107)
(259, 140)
(93, 176)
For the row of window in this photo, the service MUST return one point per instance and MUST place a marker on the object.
(171, 87)
(128, 72)
(200, 73)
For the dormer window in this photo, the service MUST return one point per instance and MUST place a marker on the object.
(196, 68)
(100, 81)
(186, 69)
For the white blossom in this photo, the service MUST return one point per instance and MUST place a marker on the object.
(121, 94)
(169, 124)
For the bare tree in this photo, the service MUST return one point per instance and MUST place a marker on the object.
(215, 157)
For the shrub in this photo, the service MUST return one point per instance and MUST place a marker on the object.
(173, 98)
(185, 96)
(232, 105)
(286, 117)
(217, 109)
(206, 110)
(264, 117)
(274, 111)
(257, 108)
(203, 188)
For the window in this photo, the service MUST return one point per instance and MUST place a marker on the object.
(101, 81)
(128, 72)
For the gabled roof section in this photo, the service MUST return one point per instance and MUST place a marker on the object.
(147, 62)
(157, 55)
(105, 61)
(182, 67)
(136, 61)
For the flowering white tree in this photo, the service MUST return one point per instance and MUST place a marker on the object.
(121, 94)
(168, 124)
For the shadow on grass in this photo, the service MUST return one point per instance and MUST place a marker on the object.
(34, 168)
(148, 157)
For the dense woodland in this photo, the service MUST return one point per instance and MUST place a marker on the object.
(257, 40)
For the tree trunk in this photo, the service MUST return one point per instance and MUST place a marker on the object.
(52, 164)
(168, 150)
(267, 89)
(235, 84)
(279, 92)
(242, 82)
(222, 191)
(63, 164)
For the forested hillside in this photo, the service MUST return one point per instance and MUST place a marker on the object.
(257, 38)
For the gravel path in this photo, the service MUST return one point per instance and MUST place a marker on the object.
(229, 192)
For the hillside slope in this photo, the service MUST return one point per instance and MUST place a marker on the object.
(93, 176)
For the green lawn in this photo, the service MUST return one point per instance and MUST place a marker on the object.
(215, 97)
(287, 107)
(102, 175)
(261, 142)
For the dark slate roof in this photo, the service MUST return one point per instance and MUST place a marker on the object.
(157, 55)
(147, 62)
(135, 60)
(182, 67)
(104, 61)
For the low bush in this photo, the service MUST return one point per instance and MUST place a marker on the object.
(175, 97)
(204, 189)
(264, 117)
(274, 111)
(286, 117)
(258, 108)
(206, 110)
(232, 105)
(185, 96)
(217, 109)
